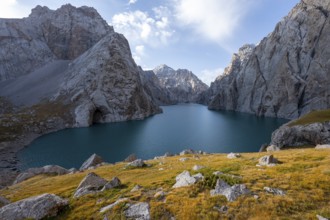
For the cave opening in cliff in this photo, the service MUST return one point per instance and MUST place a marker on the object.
(97, 116)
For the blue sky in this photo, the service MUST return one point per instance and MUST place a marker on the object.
(199, 35)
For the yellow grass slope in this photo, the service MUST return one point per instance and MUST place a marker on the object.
(303, 173)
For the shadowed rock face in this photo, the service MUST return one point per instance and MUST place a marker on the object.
(287, 74)
(101, 82)
(47, 35)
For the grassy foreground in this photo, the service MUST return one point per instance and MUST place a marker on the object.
(303, 173)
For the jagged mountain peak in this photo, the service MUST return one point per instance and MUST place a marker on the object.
(163, 70)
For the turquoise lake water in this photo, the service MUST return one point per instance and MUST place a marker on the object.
(178, 127)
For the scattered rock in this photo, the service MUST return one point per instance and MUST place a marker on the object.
(49, 169)
(183, 159)
(187, 151)
(130, 158)
(233, 155)
(136, 163)
(197, 167)
(217, 173)
(3, 201)
(184, 179)
(321, 217)
(109, 207)
(256, 196)
(37, 207)
(230, 192)
(136, 188)
(222, 209)
(274, 191)
(115, 182)
(161, 169)
(138, 211)
(168, 154)
(268, 160)
(160, 195)
(272, 148)
(92, 183)
(322, 146)
(91, 162)
(72, 170)
(198, 177)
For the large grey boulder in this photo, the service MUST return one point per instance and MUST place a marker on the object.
(37, 207)
(115, 182)
(136, 163)
(230, 192)
(287, 74)
(92, 183)
(91, 162)
(267, 160)
(299, 135)
(49, 169)
(185, 179)
(138, 211)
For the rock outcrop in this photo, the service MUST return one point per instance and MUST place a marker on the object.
(268, 160)
(300, 135)
(38, 207)
(185, 179)
(183, 85)
(287, 74)
(140, 211)
(154, 88)
(92, 161)
(49, 169)
(230, 192)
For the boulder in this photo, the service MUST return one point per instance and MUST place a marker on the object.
(136, 163)
(268, 160)
(184, 179)
(274, 191)
(230, 192)
(138, 211)
(319, 217)
(183, 159)
(197, 167)
(233, 155)
(187, 151)
(115, 182)
(109, 207)
(160, 194)
(272, 148)
(136, 188)
(92, 183)
(198, 177)
(322, 146)
(37, 207)
(49, 169)
(91, 162)
(130, 158)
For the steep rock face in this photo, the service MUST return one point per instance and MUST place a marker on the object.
(287, 74)
(182, 83)
(47, 35)
(300, 135)
(105, 85)
(152, 86)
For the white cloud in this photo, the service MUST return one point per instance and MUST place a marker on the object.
(215, 20)
(143, 30)
(208, 76)
(132, 2)
(11, 9)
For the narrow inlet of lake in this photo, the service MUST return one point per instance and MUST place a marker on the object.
(179, 127)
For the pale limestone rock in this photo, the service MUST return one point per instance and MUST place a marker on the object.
(286, 74)
(233, 155)
(109, 207)
(184, 179)
(323, 146)
(37, 207)
(230, 192)
(267, 160)
(92, 161)
(138, 211)
(274, 191)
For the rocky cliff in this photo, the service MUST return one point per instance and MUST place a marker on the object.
(182, 83)
(152, 85)
(287, 74)
(71, 55)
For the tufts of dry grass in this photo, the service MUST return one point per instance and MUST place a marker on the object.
(304, 174)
